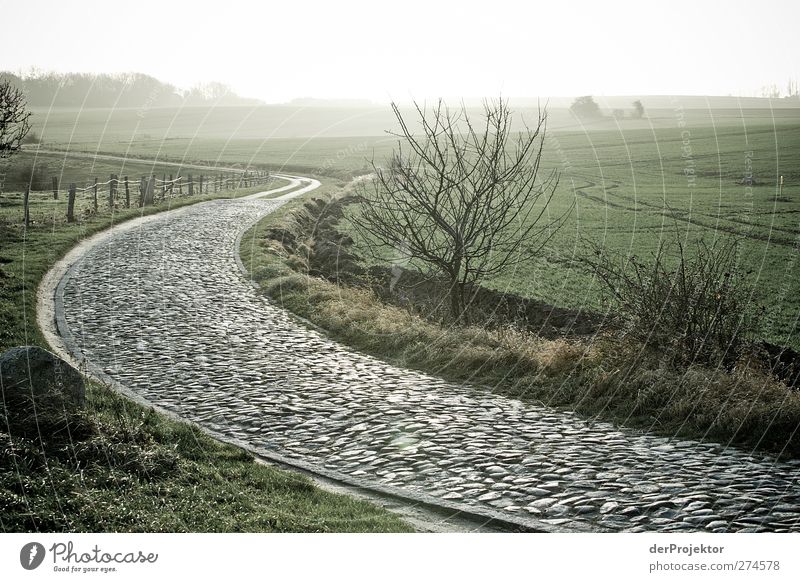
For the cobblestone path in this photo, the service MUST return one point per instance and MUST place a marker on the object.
(165, 310)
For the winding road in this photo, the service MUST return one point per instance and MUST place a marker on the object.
(160, 307)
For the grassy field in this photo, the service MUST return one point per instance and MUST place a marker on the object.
(632, 188)
(633, 182)
(37, 170)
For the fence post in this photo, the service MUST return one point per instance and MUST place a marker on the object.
(150, 190)
(95, 196)
(127, 194)
(180, 185)
(191, 185)
(142, 188)
(201, 184)
(26, 210)
(170, 186)
(55, 188)
(111, 191)
(71, 204)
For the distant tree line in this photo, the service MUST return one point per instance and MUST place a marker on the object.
(774, 92)
(586, 107)
(119, 90)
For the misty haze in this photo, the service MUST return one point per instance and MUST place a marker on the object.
(444, 268)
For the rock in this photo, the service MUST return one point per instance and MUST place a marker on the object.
(40, 390)
(557, 510)
(695, 505)
(30, 371)
(491, 496)
(453, 495)
(609, 506)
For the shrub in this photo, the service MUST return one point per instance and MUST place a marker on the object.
(693, 307)
(31, 138)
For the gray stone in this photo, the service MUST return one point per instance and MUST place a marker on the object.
(277, 386)
(609, 506)
(40, 391)
(32, 371)
(491, 496)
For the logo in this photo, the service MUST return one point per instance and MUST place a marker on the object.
(31, 555)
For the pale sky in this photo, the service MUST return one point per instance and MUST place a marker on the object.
(398, 49)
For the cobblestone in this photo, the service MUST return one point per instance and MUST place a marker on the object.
(165, 310)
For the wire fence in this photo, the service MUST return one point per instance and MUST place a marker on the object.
(124, 192)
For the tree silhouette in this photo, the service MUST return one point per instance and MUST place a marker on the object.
(14, 119)
(585, 108)
(460, 198)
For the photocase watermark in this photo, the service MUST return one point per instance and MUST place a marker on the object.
(748, 181)
(400, 261)
(67, 558)
(686, 149)
(562, 155)
(31, 555)
(341, 155)
(154, 94)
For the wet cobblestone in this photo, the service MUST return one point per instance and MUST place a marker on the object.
(165, 310)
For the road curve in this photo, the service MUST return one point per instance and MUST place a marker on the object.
(161, 309)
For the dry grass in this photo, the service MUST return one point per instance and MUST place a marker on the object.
(607, 377)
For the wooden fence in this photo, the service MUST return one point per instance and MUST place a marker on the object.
(122, 192)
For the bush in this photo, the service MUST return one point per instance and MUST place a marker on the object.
(22, 173)
(693, 307)
(31, 138)
(585, 108)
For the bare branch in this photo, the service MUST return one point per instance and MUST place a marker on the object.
(462, 198)
(14, 119)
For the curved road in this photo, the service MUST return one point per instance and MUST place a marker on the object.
(161, 308)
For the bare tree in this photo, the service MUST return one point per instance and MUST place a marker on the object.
(638, 109)
(466, 201)
(14, 119)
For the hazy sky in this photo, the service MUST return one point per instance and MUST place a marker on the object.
(416, 48)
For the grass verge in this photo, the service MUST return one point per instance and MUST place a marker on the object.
(129, 469)
(601, 376)
(124, 467)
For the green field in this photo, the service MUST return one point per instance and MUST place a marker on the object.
(632, 181)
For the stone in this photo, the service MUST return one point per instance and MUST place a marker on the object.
(40, 391)
(557, 510)
(32, 370)
(283, 387)
(491, 496)
(609, 506)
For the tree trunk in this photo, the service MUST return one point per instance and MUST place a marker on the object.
(457, 301)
